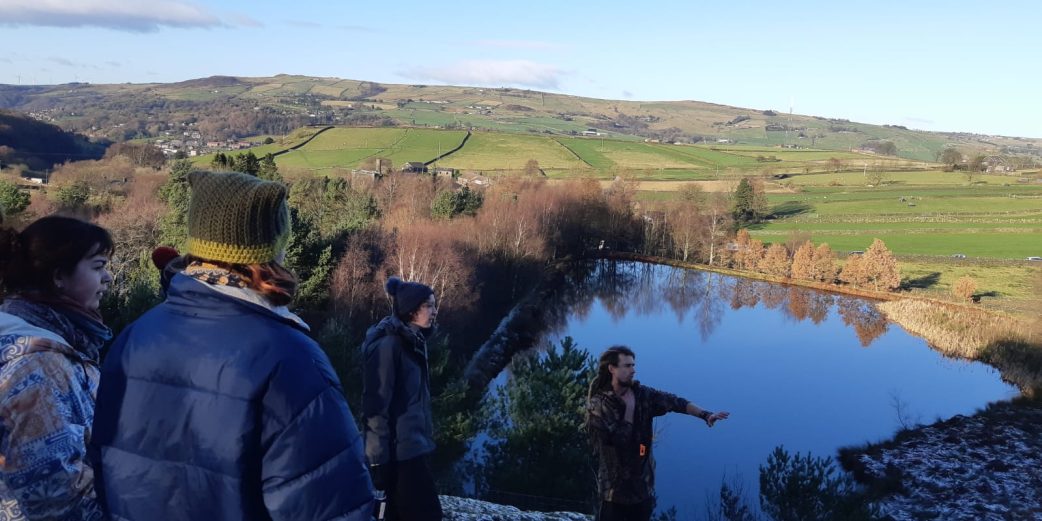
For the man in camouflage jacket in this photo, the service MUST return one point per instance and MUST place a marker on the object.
(619, 421)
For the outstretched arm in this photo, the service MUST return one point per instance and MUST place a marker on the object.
(663, 402)
(708, 416)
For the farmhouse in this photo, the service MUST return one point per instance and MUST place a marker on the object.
(414, 167)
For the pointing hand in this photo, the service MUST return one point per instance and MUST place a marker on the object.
(713, 418)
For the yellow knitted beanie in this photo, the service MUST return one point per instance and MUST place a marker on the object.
(236, 218)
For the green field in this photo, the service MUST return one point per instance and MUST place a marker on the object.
(916, 213)
(983, 245)
(500, 151)
(796, 155)
(894, 180)
(347, 147)
(603, 154)
(281, 143)
(560, 156)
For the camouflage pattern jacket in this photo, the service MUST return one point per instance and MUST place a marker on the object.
(626, 473)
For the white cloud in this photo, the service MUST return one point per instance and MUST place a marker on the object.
(492, 73)
(63, 61)
(307, 24)
(124, 15)
(355, 28)
(241, 20)
(303, 24)
(533, 45)
(920, 121)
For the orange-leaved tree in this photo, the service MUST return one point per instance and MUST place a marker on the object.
(776, 261)
(803, 262)
(879, 267)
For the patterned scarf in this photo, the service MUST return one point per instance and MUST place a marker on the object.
(214, 275)
(234, 285)
(81, 328)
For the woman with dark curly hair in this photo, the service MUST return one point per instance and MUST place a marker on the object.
(52, 277)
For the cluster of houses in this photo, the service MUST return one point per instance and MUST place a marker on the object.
(472, 179)
(193, 145)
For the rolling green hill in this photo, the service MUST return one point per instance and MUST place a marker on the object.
(557, 156)
(223, 106)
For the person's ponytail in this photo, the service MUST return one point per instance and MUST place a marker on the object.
(10, 252)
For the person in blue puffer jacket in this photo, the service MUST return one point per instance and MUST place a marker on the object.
(216, 404)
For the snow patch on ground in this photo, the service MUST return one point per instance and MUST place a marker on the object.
(462, 509)
(982, 467)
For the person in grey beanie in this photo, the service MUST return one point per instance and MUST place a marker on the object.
(396, 404)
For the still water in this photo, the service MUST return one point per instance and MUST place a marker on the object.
(800, 368)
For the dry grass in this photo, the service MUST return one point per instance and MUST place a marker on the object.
(1013, 345)
(723, 186)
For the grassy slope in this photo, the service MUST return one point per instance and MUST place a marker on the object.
(523, 110)
(994, 219)
(500, 151)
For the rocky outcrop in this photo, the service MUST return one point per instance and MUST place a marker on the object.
(462, 509)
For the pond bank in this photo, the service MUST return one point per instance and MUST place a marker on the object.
(1009, 344)
(984, 466)
(464, 509)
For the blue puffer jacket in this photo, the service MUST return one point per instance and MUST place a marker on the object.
(211, 407)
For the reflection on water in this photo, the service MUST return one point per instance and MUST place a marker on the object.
(638, 289)
(796, 367)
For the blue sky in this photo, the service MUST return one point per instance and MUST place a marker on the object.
(953, 66)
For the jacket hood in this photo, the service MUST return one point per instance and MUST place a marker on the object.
(18, 338)
(392, 325)
(198, 298)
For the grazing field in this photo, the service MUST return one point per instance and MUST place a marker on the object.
(357, 138)
(603, 154)
(281, 143)
(789, 154)
(558, 156)
(915, 213)
(347, 147)
(895, 180)
(930, 220)
(500, 151)
(423, 145)
(606, 154)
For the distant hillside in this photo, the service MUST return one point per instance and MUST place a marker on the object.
(40, 146)
(222, 107)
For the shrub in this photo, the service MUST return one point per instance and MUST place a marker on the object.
(964, 288)
(73, 196)
(13, 199)
(797, 488)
